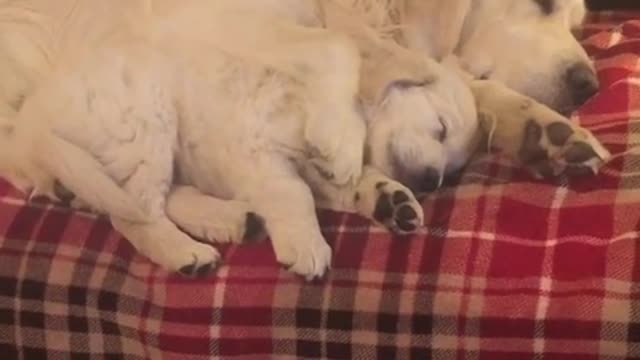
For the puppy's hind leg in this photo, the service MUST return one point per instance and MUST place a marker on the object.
(164, 244)
(213, 220)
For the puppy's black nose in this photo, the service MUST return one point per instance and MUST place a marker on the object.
(430, 180)
(582, 82)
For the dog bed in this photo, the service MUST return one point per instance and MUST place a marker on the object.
(507, 268)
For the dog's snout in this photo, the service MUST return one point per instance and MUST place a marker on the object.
(429, 181)
(582, 82)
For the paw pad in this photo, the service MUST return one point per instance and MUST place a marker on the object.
(560, 148)
(396, 210)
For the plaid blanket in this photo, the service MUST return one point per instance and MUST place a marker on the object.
(507, 268)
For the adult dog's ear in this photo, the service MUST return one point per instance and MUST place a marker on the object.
(434, 26)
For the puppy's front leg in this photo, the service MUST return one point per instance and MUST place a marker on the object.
(376, 197)
(335, 129)
(287, 205)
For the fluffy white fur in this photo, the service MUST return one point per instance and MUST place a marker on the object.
(511, 41)
(239, 124)
(252, 121)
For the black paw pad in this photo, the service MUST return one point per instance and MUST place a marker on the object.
(206, 270)
(254, 229)
(188, 270)
(405, 218)
(399, 197)
(531, 151)
(406, 226)
(580, 152)
(384, 208)
(395, 212)
(559, 133)
(406, 213)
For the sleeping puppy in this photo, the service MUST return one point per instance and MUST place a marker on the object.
(140, 111)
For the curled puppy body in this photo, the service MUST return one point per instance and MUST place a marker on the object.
(137, 110)
(139, 107)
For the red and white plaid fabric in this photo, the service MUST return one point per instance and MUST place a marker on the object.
(507, 268)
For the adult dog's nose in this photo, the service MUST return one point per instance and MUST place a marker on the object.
(582, 82)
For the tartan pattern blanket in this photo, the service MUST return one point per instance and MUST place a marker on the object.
(507, 268)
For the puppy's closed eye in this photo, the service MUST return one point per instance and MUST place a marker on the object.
(442, 135)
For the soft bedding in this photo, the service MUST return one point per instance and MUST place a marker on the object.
(507, 268)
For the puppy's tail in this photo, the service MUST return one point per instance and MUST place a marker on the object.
(83, 175)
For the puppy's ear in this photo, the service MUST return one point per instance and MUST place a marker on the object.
(434, 26)
(380, 76)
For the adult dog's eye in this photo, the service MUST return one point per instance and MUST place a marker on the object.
(442, 136)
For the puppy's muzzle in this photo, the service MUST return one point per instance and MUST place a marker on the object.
(426, 182)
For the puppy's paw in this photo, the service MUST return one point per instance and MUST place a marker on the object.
(560, 147)
(308, 256)
(195, 261)
(395, 207)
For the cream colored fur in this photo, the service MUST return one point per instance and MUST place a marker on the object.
(257, 107)
(156, 94)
